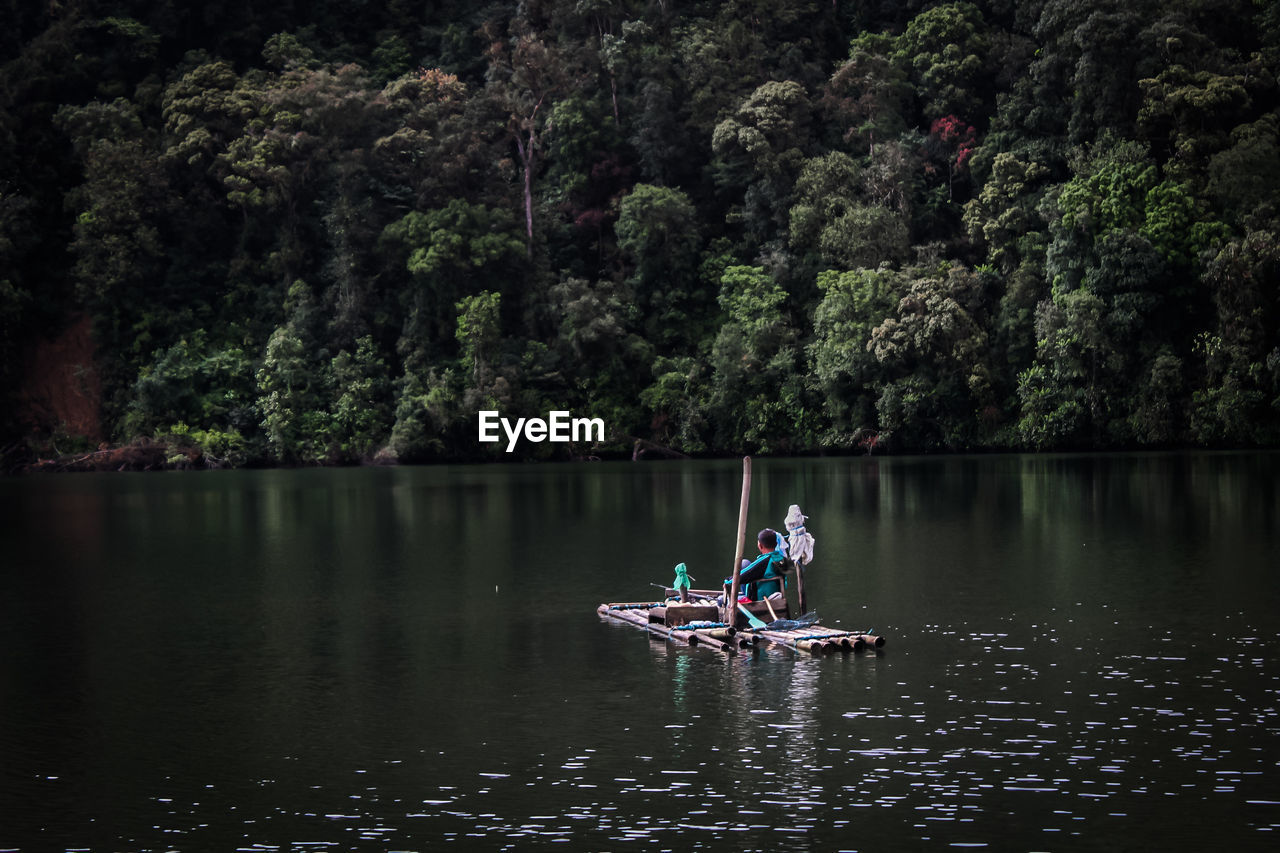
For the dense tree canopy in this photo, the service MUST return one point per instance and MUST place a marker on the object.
(324, 232)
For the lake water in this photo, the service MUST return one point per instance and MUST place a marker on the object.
(1083, 654)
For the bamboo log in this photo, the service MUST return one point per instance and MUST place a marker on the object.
(828, 643)
(667, 634)
(846, 640)
(850, 641)
(636, 618)
(814, 641)
(706, 636)
(786, 638)
(632, 616)
(817, 631)
(730, 604)
(691, 637)
(843, 642)
(815, 647)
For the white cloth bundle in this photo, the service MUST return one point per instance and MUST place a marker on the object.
(799, 541)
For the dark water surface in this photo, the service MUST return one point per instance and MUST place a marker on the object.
(1083, 654)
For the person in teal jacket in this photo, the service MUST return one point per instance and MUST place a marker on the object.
(763, 577)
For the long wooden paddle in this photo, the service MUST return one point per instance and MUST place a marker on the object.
(755, 623)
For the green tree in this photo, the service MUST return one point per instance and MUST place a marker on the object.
(842, 368)
(451, 251)
(1064, 395)
(867, 97)
(658, 232)
(1239, 352)
(933, 353)
(294, 386)
(285, 157)
(479, 331)
(14, 298)
(437, 144)
(593, 326)
(203, 110)
(831, 215)
(427, 418)
(762, 147)
(947, 49)
(600, 358)
(360, 420)
(1244, 178)
(1004, 216)
(757, 395)
(194, 382)
(1193, 110)
(526, 75)
(677, 400)
(1092, 55)
(118, 245)
(661, 136)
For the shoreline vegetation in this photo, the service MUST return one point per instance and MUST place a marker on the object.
(148, 455)
(315, 235)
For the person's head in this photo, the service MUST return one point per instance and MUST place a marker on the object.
(766, 540)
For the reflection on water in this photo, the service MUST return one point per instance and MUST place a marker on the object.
(1082, 655)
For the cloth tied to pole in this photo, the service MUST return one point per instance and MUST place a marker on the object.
(799, 541)
(682, 577)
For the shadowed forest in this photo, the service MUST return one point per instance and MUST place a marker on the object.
(331, 232)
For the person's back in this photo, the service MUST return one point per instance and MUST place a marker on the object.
(763, 577)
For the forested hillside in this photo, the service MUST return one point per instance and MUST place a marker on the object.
(333, 231)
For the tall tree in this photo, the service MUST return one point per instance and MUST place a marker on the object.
(761, 147)
(658, 232)
(526, 75)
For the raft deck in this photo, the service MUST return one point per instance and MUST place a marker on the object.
(696, 624)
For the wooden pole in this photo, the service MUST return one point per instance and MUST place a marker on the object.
(731, 605)
(770, 606)
(800, 599)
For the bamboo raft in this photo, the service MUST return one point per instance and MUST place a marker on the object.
(696, 624)
(693, 617)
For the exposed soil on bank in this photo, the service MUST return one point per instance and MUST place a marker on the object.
(61, 392)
